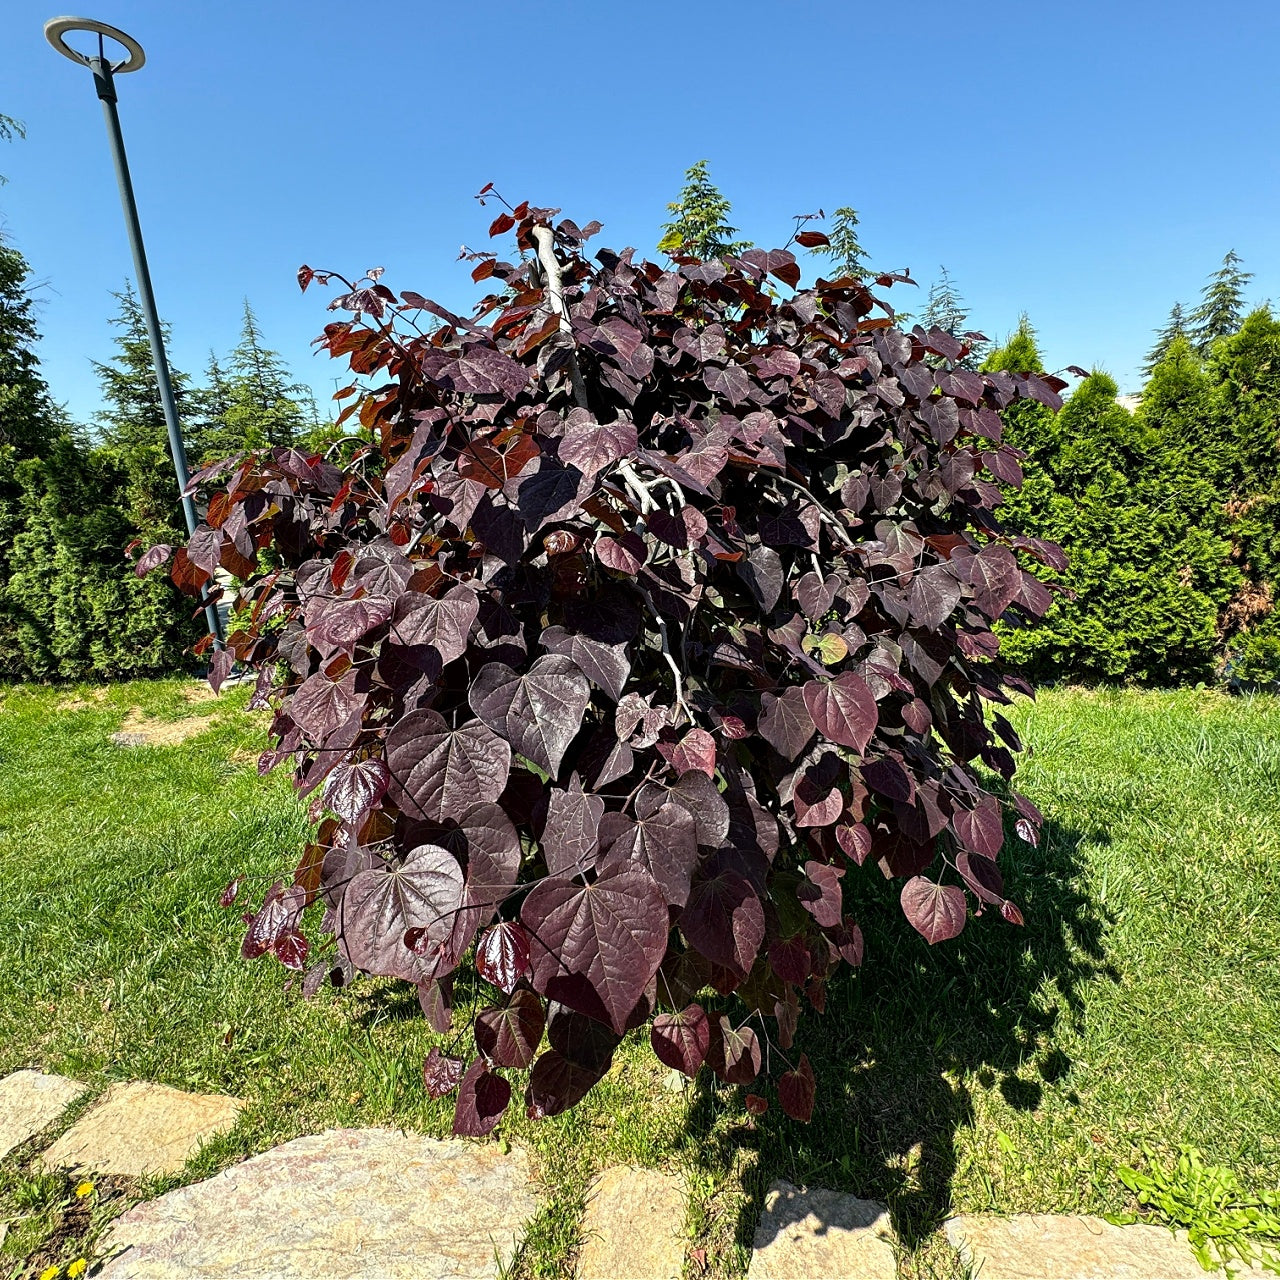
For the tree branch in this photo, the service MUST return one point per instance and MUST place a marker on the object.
(545, 240)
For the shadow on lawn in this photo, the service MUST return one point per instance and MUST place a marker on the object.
(885, 1123)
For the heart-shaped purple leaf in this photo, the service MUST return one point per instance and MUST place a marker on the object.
(936, 911)
(381, 905)
(844, 709)
(538, 712)
(439, 773)
(509, 1034)
(681, 1039)
(596, 946)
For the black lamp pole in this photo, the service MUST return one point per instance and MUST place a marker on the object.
(104, 72)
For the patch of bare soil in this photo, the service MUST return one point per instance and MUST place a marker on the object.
(80, 704)
(139, 730)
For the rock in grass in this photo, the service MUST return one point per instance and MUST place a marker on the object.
(31, 1101)
(807, 1234)
(633, 1226)
(341, 1205)
(143, 1128)
(1043, 1246)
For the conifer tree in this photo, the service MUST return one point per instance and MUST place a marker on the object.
(848, 258)
(10, 129)
(1175, 327)
(264, 405)
(1221, 309)
(132, 423)
(28, 417)
(945, 307)
(700, 225)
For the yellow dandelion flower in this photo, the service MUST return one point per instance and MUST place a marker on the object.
(78, 1268)
(49, 1272)
(84, 1189)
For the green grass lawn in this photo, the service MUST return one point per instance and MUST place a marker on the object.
(1010, 1070)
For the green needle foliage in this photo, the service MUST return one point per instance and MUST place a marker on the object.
(1175, 328)
(845, 250)
(700, 223)
(1225, 1224)
(1221, 308)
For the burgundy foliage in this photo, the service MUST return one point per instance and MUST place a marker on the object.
(630, 636)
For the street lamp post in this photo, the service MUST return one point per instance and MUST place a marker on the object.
(104, 73)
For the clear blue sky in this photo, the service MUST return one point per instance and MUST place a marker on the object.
(1088, 162)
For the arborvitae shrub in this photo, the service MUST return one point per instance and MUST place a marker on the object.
(641, 627)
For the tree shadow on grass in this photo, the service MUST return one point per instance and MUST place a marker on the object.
(900, 1036)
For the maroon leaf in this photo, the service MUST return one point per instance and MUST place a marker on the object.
(936, 911)
(663, 843)
(699, 794)
(796, 1091)
(441, 1074)
(696, 750)
(538, 712)
(571, 835)
(596, 946)
(844, 709)
(785, 722)
(439, 773)
(855, 840)
(502, 957)
(996, 579)
(508, 1035)
(592, 446)
(1011, 913)
(819, 893)
(982, 876)
(733, 1053)
(152, 558)
(980, 829)
(443, 623)
(381, 905)
(355, 787)
(762, 572)
(933, 594)
(605, 665)
(681, 1039)
(625, 554)
(789, 958)
(755, 1104)
(724, 920)
(556, 1084)
(482, 1098)
(434, 1001)
(320, 705)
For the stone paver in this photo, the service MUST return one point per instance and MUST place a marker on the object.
(633, 1227)
(29, 1101)
(143, 1128)
(335, 1206)
(815, 1234)
(1041, 1246)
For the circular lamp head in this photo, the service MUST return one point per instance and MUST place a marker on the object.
(56, 29)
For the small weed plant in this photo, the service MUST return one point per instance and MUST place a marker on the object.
(1224, 1223)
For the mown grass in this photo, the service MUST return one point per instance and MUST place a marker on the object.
(1013, 1069)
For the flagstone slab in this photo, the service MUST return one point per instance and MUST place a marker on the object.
(633, 1227)
(31, 1101)
(1042, 1246)
(143, 1128)
(335, 1206)
(815, 1234)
